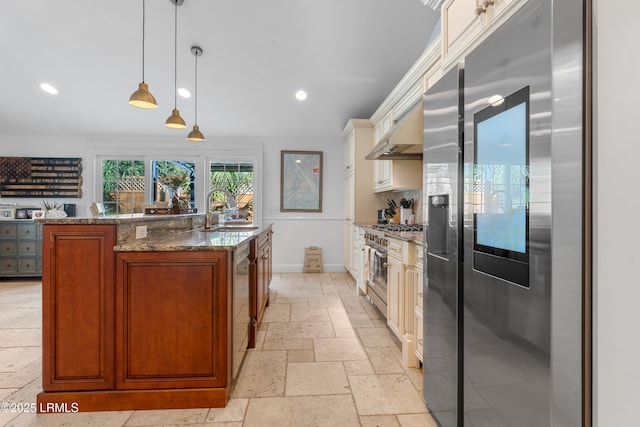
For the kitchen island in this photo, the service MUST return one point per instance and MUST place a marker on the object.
(147, 323)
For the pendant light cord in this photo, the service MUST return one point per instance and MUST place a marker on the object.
(143, 14)
(175, 58)
(196, 95)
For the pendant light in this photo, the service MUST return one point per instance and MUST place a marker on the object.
(142, 98)
(195, 134)
(175, 121)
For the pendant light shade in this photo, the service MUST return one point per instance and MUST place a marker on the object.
(175, 121)
(195, 134)
(142, 98)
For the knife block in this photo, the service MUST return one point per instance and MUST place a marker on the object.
(405, 213)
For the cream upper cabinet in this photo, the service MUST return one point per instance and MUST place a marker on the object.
(465, 23)
(389, 175)
(350, 152)
(382, 175)
(395, 175)
(360, 202)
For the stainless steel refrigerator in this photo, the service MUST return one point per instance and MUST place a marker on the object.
(503, 160)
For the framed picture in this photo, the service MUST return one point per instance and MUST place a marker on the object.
(7, 211)
(22, 213)
(301, 181)
(38, 214)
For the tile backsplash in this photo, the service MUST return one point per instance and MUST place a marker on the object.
(416, 195)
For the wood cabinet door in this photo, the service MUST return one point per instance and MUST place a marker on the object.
(77, 307)
(263, 278)
(260, 273)
(270, 263)
(172, 319)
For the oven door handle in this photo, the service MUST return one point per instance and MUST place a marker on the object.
(380, 254)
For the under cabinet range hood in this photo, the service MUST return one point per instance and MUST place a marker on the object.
(403, 141)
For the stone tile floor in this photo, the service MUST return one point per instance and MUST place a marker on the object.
(324, 357)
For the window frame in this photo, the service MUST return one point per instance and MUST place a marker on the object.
(250, 153)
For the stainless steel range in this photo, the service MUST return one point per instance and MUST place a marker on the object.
(377, 241)
(377, 278)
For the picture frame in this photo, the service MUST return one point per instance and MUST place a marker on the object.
(7, 211)
(22, 213)
(38, 214)
(301, 181)
(30, 212)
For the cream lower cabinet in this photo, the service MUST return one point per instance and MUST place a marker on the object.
(418, 307)
(412, 340)
(404, 284)
(361, 255)
(395, 295)
(355, 253)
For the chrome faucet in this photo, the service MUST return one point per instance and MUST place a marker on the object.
(231, 203)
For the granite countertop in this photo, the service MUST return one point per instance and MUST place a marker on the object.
(416, 237)
(198, 240)
(115, 219)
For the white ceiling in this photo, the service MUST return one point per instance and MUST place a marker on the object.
(347, 54)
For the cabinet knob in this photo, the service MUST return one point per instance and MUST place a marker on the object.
(385, 264)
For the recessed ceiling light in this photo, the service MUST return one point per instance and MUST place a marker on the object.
(184, 93)
(48, 88)
(301, 95)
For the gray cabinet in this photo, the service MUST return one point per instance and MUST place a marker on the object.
(20, 248)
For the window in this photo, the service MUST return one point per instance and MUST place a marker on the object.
(123, 186)
(126, 183)
(173, 176)
(237, 179)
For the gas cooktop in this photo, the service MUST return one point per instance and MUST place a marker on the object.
(397, 227)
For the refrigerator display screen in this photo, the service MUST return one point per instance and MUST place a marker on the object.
(501, 180)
